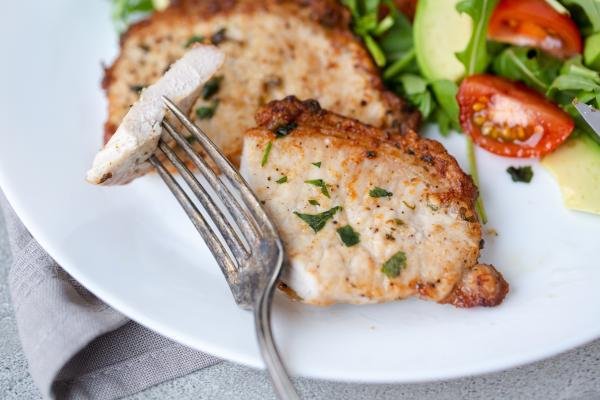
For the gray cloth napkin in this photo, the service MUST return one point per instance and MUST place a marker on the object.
(77, 346)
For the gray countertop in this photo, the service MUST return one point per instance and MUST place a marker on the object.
(574, 375)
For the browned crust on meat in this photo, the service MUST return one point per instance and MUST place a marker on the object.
(431, 155)
(481, 286)
(330, 14)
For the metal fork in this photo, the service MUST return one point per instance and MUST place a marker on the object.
(250, 256)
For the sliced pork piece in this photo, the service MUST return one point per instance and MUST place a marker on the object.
(367, 217)
(125, 155)
(274, 48)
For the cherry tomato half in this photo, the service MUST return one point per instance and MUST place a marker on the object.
(535, 23)
(509, 119)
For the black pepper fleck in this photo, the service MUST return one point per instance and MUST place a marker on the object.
(427, 158)
(219, 37)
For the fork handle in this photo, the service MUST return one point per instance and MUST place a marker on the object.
(284, 388)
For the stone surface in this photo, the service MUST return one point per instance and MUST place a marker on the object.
(571, 376)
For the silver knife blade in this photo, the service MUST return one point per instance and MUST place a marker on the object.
(589, 114)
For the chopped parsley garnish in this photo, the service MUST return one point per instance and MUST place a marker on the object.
(348, 235)
(392, 267)
(321, 184)
(317, 164)
(520, 174)
(284, 130)
(318, 221)
(211, 87)
(192, 40)
(313, 202)
(265, 157)
(219, 37)
(281, 180)
(207, 112)
(379, 192)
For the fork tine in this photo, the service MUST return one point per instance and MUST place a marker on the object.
(244, 220)
(223, 163)
(214, 244)
(229, 234)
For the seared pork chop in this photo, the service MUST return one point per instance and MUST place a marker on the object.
(365, 216)
(124, 156)
(274, 48)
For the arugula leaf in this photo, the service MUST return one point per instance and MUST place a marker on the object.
(591, 8)
(348, 235)
(528, 65)
(379, 192)
(587, 16)
(413, 84)
(591, 51)
(318, 221)
(447, 113)
(414, 89)
(126, 11)
(371, 6)
(352, 6)
(475, 57)
(384, 25)
(443, 121)
(389, 39)
(404, 64)
(520, 174)
(394, 265)
(398, 39)
(375, 50)
(576, 82)
(574, 76)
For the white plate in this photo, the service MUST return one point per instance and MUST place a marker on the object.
(135, 249)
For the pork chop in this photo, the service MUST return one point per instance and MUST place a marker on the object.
(125, 155)
(274, 48)
(367, 217)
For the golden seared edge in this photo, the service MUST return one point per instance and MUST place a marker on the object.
(274, 48)
(427, 215)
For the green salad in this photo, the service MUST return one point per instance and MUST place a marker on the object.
(457, 52)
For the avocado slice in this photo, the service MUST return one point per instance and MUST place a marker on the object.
(440, 31)
(576, 167)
